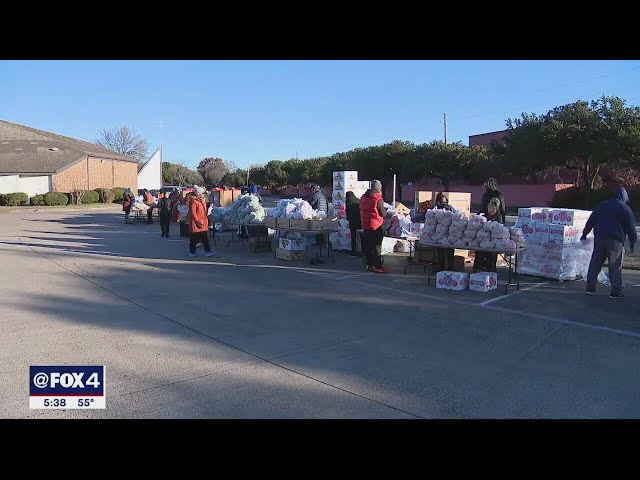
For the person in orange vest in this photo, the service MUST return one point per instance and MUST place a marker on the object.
(198, 224)
(372, 213)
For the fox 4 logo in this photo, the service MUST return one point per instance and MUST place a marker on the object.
(73, 380)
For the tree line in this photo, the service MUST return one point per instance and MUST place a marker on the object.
(582, 142)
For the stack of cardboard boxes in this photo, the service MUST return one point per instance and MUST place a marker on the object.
(553, 247)
(343, 182)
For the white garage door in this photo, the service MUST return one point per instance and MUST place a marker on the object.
(34, 185)
(8, 183)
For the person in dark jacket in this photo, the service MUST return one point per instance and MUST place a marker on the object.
(445, 256)
(318, 200)
(166, 207)
(491, 191)
(486, 261)
(352, 210)
(611, 221)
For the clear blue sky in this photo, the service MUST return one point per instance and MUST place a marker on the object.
(256, 111)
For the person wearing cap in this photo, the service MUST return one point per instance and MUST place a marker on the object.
(491, 191)
(198, 223)
(612, 221)
(372, 213)
(318, 200)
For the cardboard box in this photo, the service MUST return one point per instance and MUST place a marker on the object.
(299, 224)
(290, 255)
(291, 244)
(271, 222)
(452, 280)
(282, 222)
(402, 246)
(561, 235)
(346, 176)
(422, 197)
(226, 198)
(461, 201)
(528, 228)
(416, 228)
(541, 232)
(322, 225)
(483, 281)
(400, 208)
(536, 214)
(568, 216)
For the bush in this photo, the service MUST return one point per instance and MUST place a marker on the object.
(118, 194)
(90, 196)
(105, 195)
(56, 198)
(574, 197)
(14, 199)
(37, 200)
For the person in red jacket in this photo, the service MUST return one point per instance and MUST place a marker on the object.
(372, 213)
(198, 224)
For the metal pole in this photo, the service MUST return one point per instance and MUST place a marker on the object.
(445, 128)
(394, 191)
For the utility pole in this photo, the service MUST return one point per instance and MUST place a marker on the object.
(445, 128)
(162, 123)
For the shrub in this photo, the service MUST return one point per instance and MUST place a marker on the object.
(56, 198)
(573, 197)
(90, 196)
(118, 194)
(105, 195)
(37, 200)
(14, 199)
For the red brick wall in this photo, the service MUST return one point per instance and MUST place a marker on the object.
(102, 173)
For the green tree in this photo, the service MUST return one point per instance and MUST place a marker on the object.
(179, 174)
(212, 170)
(237, 178)
(446, 162)
(525, 152)
(586, 136)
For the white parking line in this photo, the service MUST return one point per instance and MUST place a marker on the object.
(502, 297)
(548, 318)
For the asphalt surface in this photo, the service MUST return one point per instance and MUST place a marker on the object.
(244, 335)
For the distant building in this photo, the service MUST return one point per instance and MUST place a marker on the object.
(150, 174)
(35, 162)
(487, 138)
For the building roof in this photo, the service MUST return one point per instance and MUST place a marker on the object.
(26, 150)
(487, 138)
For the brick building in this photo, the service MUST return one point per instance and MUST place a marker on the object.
(35, 162)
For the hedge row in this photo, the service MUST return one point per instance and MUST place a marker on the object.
(13, 199)
(574, 197)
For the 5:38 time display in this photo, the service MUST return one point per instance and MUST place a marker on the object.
(55, 402)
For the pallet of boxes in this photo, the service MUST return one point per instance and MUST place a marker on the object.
(554, 249)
